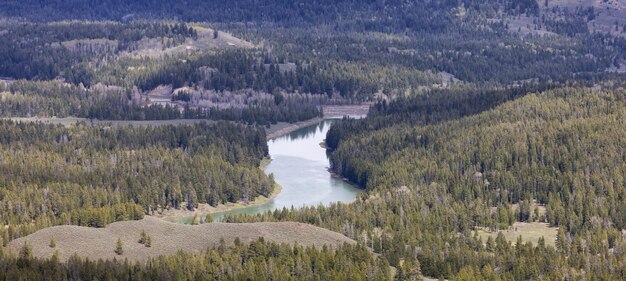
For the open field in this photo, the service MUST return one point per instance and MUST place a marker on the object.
(154, 48)
(331, 111)
(275, 130)
(530, 232)
(167, 238)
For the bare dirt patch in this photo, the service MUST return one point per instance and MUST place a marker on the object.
(167, 238)
(524, 24)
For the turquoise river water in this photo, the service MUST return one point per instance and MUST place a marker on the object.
(300, 165)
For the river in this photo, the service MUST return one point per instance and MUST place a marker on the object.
(300, 165)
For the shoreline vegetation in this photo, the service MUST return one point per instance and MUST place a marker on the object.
(187, 216)
(330, 112)
(275, 131)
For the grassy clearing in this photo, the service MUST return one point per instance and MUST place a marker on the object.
(166, 238)
(530, 232)
(205, 42)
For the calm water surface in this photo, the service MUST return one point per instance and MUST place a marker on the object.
(299, 165)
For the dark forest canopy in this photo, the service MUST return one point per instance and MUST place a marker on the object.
(37, 51)
(149, 167)
(397, 13)
(54, 98)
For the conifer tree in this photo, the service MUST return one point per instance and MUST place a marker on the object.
(119, 247)
(143, 237)
(148, 243)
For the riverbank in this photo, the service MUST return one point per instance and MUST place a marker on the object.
(275, 131)
(330, 111)
(186, 216)
(281, 129)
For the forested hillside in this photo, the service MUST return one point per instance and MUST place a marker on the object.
(432, 181)
(409, 14)
(74, 175)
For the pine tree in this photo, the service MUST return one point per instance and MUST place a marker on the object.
(195, 220)
(25, 256)
(119, 247)
(56, 257)
(142, 237)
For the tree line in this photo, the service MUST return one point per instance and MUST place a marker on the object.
(37, 51)
(56, 99)
(258, 260)
(105, 167)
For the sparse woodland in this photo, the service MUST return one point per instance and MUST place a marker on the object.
(258, 260)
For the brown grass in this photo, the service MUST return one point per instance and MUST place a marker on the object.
(205, 42)
(167, 238)
(530, 232)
